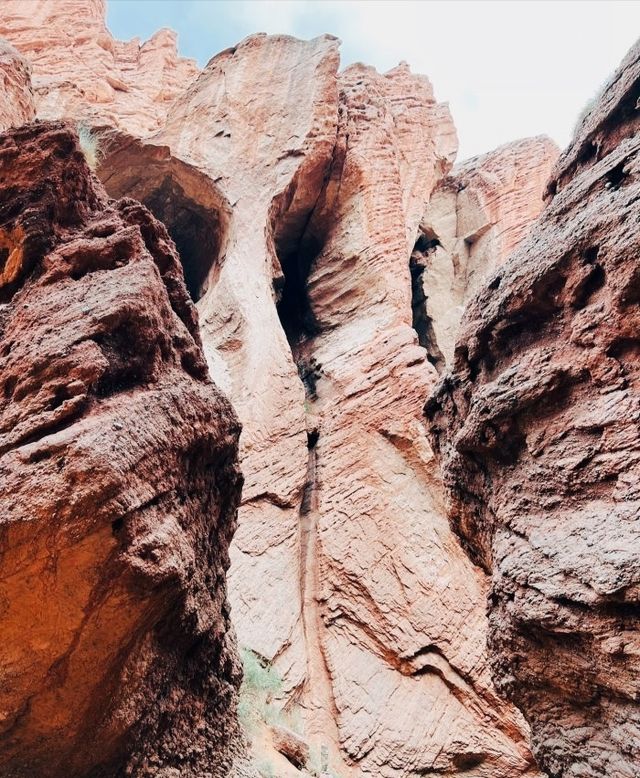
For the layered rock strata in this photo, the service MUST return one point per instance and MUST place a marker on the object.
(475, 218)
(296, 198)
(118, 465)
(537, 430)
(80, 70)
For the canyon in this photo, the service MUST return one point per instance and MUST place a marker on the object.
(277, 238)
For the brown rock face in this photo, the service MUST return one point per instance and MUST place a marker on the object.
(475, 218)
(537, 428)
(16, 96)
(81, 71)
(118, 465)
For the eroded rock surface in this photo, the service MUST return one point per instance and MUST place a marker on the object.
(16, 95)
(118, 465)
(295, 196)
(342, 577)
(475, 218)
(80, 70)
(537, 429)
(270, 172)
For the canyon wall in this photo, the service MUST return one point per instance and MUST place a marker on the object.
(330, 248)
(120, 483)
(537, 430)
(81, 71)
(354, 590)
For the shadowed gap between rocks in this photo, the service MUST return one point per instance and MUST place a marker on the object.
(186, 201)
(195, 230)
(302, 328)
(426, 243)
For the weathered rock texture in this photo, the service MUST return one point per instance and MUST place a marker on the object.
(537, 428)
(16, 95)
(295, 197)
(81, 71)
(342, 577)
(475, 218)
(118, 465)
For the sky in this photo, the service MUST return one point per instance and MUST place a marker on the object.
(508, 69)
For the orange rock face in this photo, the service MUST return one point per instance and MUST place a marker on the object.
(118, 465)
(16, 96)
(81, 71)
(537, 429)
(474, 220)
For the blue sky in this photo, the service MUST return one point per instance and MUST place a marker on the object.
(507, 69)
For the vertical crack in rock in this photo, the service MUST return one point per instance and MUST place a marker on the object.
(301, 328)
(536, 428)
(426, 244)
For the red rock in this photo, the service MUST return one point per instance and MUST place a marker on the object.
(290, 744)
(475, 218)
(537, 430)
(80, 70)
(118, 465)
(16, 96)
(341, 576)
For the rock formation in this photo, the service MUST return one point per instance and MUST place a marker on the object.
(474, 219)
(118, 465)
(81, 71)
(340, 572)
(537, 429)
(330, 249)
(16, 96)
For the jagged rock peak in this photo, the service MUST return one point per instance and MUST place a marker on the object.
(81, 71)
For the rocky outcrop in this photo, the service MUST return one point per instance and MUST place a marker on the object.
(537, 429)
(16, 96)
(270, 171)
(340, 572)
(296, 198)
(118, 464)
(475, 218)
(80, 70)
(389, 595)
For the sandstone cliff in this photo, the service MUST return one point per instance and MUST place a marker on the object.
(81, 71)
(17, 105)
(329, 247)
(342, 578)
(118, 465)
(537, 429)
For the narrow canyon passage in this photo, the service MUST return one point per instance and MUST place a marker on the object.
(268, 264)
(344, 569)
